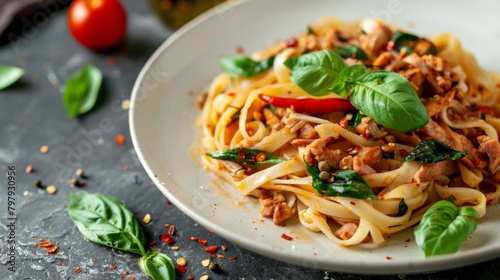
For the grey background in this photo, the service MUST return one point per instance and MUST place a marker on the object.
(32, 115)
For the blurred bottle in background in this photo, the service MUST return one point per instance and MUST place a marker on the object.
(176, 13)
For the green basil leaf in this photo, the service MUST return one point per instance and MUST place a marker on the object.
(310, 31)
(389, 99)
(403, 208)
(107, 221)
(433, 150)
(316, 72)
(9, 75)
(244, 66)
(343, 85)
(157, 265)
(356, 120)
(81, 91)
(444, 227)
(352, 51)
(345, 183)
(408, 41)
(248, 156)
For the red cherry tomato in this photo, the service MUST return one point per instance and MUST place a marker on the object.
(97, 24)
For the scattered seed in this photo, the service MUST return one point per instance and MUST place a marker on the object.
(77, 183)
(112, 266)
(119, 139)
(233, 258)
(51, 249)
(147, 219)
(175, 248)
(126, 104)
(205, 262)
(80, 173)
(78, 270)
(214, 267)
(29, 169)
(51, 189)
(44, 149)
(181, 261)
(38, 183)
(204, 277)
(224, 248)
(131, 277)
(190, 277)
(220, 256)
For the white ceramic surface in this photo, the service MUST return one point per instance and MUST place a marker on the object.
(163, 112)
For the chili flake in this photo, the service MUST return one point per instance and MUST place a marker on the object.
(45, 243)
(119, 139)
(193, 238)
(152, 243)
(388, 258)
(171, 230)
(180, 268)
(211, 249)
(29, 169)
(78, 270)
(202, 241)
(286, 237)
(112, 266)
(167, 239)
(232, 258)
(224, 248)
(190, 277)
(51, 249)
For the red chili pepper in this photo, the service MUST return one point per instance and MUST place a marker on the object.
(310, 105)
(180, 268)
(211, 249)
(167, 239)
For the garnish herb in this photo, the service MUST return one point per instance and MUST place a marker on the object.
(412, 43)
(432, 150)
(444, 227)
(106, 220)
(345, 183)
(81, 91)
(384, 96)
(403, 208)
(244, 66)
(9, 75)
(310, 31)
(352, 51)
(356, 119)
(244, 155)
(310, 105)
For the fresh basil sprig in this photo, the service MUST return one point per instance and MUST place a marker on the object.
(444, 227)
(81, 91)
(244, 66)
(387, 97)
(345, 183)
(248, 156)
(106, 220)
(9, 75)
(433, 150)
(351, 50)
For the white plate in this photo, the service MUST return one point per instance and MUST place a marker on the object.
(164, 109)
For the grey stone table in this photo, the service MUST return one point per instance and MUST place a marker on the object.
(32, 115)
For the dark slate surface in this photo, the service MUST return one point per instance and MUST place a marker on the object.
(32, 115)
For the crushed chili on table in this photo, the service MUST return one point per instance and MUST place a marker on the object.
(167, 239)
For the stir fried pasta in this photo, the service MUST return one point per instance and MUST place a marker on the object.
(356, 128)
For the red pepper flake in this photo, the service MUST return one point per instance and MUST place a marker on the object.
(167, 239)
(168, 202)
(202, 241)
(51, 249)
(232, 258)
(44, 244)
(211, 249)
(489, 201)
(408, 240)
(119, 139)
(123, 274)
(220, 256)
(403, 152)
(59, 264)
(192, 238)
(224, 248)
(78, 270)
(112, 60)
(181, 268)
(286, 237)
(29, 169)
(388, 258)
(190, 277)
(171, 230)
(112, 266)
(152, 243)
(291, 43)
(131, 277)
(125, 167)
(352, 202)
(240, 50)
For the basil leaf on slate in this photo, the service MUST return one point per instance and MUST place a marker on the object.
(248, 156)
(433, 150)
(345, 183)
(157, 265)
(444, 227)
(107, 221)
(81, 91)
(9, 75)
(316, 72)
(244, 66)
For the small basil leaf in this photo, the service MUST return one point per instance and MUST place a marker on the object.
(408, 41)
(248, 156)
(389, 99)
(432, 150)
(157, 265)
(9, 75)
(81, 91)
(316, 72)
(356, 120)
(345, 183)
(310, 31)
(444, 227)
(352, 51)
(244, 66)
(107, 221)
(403, 208)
